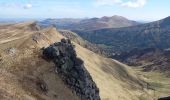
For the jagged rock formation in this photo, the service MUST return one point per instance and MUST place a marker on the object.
(71, 69)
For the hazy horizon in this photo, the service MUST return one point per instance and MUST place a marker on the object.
(144, 10)
(38, 19)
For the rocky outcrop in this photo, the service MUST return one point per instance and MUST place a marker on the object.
(71, 69)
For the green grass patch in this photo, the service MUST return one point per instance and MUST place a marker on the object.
(142, 98)
(157, 84)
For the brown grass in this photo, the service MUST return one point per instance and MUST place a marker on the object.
(21, 71)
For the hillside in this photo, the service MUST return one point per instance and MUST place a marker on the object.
(74, 37)
(84, 43)
(23, 71)
(26, 75)
(155, 35)
(150, 59)
(91, 23)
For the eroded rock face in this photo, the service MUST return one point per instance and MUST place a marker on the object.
(71, 69)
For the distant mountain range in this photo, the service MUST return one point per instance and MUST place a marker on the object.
(90, 23)
(155, 34)
(16, 20)
(146, 45)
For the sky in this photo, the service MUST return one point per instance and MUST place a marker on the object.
(144, 10)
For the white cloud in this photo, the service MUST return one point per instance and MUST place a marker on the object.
(134, 4)
(129, 3)
(15, 5)
(106, 2)
(27, 6)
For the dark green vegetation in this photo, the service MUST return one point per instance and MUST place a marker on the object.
(155, 35)
(90, 24)
(150, 59)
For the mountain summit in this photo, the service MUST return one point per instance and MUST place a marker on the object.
(90, 23)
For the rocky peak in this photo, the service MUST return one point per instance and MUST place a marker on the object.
(71, 69)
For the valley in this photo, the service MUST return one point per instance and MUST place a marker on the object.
(154, 34)
(22, 63)
(144, 47)
(84, 50)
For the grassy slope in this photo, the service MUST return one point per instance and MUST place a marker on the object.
(159, 82)
(115, 80)
(109, 75)
(21, 71)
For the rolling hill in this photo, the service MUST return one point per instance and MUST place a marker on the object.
(90, 24)
(24, 72)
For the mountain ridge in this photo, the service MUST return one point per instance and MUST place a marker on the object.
(90, 23)
(22, 57)
(154, 34)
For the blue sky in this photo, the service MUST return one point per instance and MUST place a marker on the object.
(132, 9)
